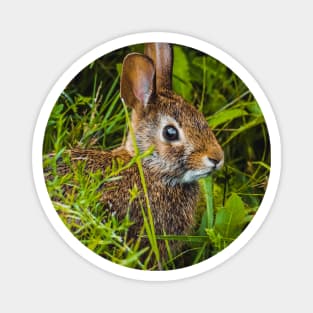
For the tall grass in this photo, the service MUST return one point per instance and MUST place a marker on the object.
(90, 114)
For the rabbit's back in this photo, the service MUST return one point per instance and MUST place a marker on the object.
(172, 207)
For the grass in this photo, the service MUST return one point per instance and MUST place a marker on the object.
(90, 114)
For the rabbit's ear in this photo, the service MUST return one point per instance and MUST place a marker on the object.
(162, 57)
(137, 80)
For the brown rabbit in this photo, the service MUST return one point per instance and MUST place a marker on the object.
(185, 149)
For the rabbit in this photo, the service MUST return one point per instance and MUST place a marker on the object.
(185, 149)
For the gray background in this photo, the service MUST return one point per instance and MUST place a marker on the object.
(39, 40)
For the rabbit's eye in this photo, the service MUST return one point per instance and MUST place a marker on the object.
(170, 133)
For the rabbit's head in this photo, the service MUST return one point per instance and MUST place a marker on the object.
(185, 149)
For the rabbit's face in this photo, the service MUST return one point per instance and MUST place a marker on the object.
(185, 149)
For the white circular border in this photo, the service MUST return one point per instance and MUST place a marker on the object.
(120, 270)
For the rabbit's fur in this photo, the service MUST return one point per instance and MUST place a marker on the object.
(172, 170)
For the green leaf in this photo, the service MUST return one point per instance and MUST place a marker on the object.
(231, 219)
(225, 116)
(181, 74)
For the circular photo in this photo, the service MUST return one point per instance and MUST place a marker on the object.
(155, 156)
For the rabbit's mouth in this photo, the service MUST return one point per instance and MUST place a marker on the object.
(194, 175)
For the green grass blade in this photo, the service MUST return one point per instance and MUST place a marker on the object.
(208, 216)
(150, 225)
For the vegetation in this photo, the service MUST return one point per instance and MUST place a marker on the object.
(90, 114)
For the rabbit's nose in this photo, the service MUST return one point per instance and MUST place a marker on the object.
(217, 163)
(214, 161)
